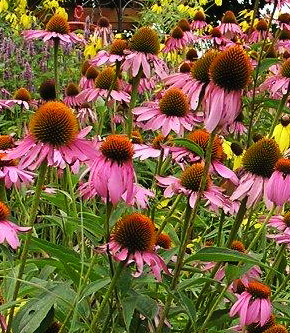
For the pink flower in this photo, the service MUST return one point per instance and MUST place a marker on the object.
(189, 183)
(219, 41)
(281, 223)
(253, 305)
(53, 137)
(87, 81)
(176, 41)
(111, 172)
(9, 230)
(132, 241)
(198, 22)
(229, 25)
(86, 114)
(170, 113)
(104, 31)
(56, 28)
(70, 95)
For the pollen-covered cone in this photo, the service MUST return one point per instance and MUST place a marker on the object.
(132, 240)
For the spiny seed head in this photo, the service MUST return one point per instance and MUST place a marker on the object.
(270, 52)
(145, 40)
(283, 166)
(276, 329)
(185, 68)
(256, 328)
(159, 140)
(258, 289)
(236, 148)
(200, 68)
(191, 55)
(262, 25)
(105, 79)
(229, 17)
(199, 16)
(261, 157)
(231, 69)
(284, 35)
(118, 46)
(238, 246)
(6, 142)
(174, 103)
(136, 137)
(285, 69)
(117, 148)
(184, 25)
(91, 73)
(201, 137)
(47, 90)
(4, 211)
(59, 24)
(54, 123)
(136, 232)
(216, 32)
(285, 120)
(85, 66)
(239, 286)
(72, 89)
(257, 137)
(191, 177)
(23, 95)
(286, 218)
(284, 18)
(103, 22)
(177, 33)
(4, 162)
(163, 241)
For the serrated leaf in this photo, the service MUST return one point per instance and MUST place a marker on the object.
(188, 144)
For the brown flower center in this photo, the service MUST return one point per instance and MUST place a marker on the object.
(117, 148)
(160, 139)
(4, 211)
(91, 73)
(47, 90)
(23, 95)
(258, 289)
(262, 25)
(286, 218)
(177, 33)
(284, 35)
(174, 103)
(163, 241)
(54, 123)
(191, 55)
(118, 46)
(285, 69)
(191, 177)
(216, 32)
(283, 165)
(238, 246)
(145, 40)
(103, 22)
(256, 328)
(199, 16)
(184, 25)
(185, 68)
(231, 69)
(85, 66)
(200, 68)
(6, 142)
(72, 89)
(240, 287)
(229, 17)
(236, 148)
(59, 24)
(105, 79)
(136, 232)
(261, 157)
(284, 18)
(276, 329)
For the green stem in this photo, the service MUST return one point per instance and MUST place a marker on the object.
(71, 190)
(256, 8)
(33, 215)
(279, 111)
(281, 287)
(109, 208)
(276, 263)
(55, 62)
(221, 224)
(3, 196)
(113, 283)
(134, 95)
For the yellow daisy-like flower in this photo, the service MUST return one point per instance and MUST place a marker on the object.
(227, 149)
(218, 2)
(62, 12)
(244, 25)
(93, 47)
(156, 9)
(3, 6)
(26, 21)
(281, 135)
(183, 9)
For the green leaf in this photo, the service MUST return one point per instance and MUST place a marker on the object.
(188, 144)
(265, 64)
(129, 305)
(188, 306)
(95, 286)
(145, 305)
(194, 281)
(218, 254)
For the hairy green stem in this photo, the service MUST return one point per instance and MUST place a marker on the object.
(23, 259)
(55, 62)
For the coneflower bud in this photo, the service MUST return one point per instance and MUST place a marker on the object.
(229, 17)
(174, 103)
(260, 159)
(231, 69)
(47, 90)
(23, 95)
(135, 232)
(54, 123)
(237, 246)
(117, 148)
(199, 16)
(200, 68)
(59, 24)
(145, 40)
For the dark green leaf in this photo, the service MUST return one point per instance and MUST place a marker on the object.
(188, 144)
(129, 306)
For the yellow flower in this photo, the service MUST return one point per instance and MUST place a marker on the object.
(183, 9)
(281, 135)
(156, 9)
(218, 2)
(238, 161)
(244, 25)
(26, 21)
(3, 6)
(92, 48)
(227, 149)
(61, 11)
(50, 4)
(118, 36)
(203, 2)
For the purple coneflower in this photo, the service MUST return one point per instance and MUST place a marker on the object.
(260, 33)
(9, 230)
(53, 137)
(104, 31)
(22, 98)
(253, 305)
(284, 21)
(171, 112)
(219, 41)
(86, 115)
(279, 222)
(198, 21)
(184, 25)
(229, 26)
(176, 41)
(71, 92)
(132, 240)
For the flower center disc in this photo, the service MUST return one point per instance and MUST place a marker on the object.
(191, 177)
(255, 328)
(191, 55)
(184, 25)
(177, 33)
(47, 90)
(117, 148)
(72, 89)
(238, 246)
(284, 18)
(118, 47)
(91, 73)
(85, 66)
(185, 68)
(145, 40)
(276, 329)
(261, 157)
(216, 32)
(136, 232)
(103, 22)
(283, 165)
(286, 219)
(54, 123)
(231, 69)
(200, 69)
(163, 241)
(59, 24)
(174, 103)
(258, 289)
(285, 69)
(105, 79)
(4, 211)
(262, 25)
(284, 35)
(6, 142)
(23, 95)
(229, 17)
(201, 137)
(199, 16)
